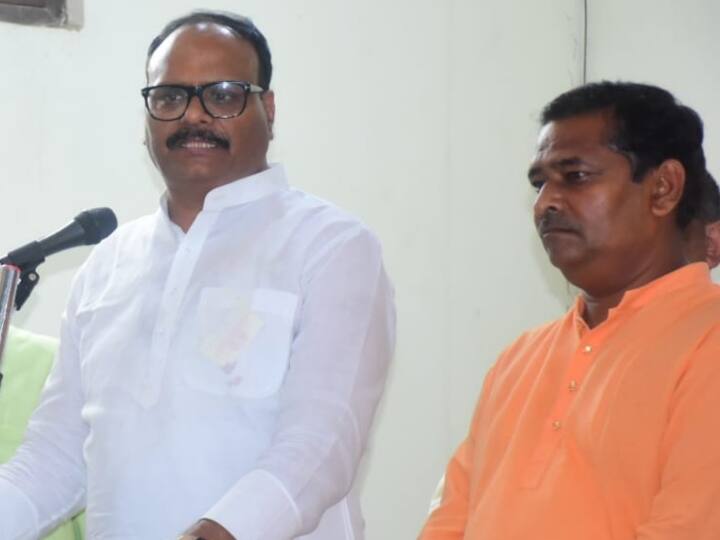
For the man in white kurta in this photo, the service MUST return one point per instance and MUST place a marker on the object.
(219, 367)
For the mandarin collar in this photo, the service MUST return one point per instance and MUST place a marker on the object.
(247, 189)
(685, 276)
(241, 191)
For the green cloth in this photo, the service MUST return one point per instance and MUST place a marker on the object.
(26, 363)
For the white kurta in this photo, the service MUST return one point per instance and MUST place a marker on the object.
(231, 372)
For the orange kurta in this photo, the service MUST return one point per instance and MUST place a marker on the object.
(610, 433)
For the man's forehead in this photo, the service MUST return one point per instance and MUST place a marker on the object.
(572, 140)
(585, 130)
(185, 43)
(196, 31)
(204, 28)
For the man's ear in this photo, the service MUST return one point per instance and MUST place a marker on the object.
(268, 101)
(667, 183)
(712, 244)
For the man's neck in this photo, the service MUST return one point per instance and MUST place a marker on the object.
(185, 200)
(597, 309)
(186, 196)
(183, 210)
(598, 305)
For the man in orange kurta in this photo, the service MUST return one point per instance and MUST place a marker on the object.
(604, 424)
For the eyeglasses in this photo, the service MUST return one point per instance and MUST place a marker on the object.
(220, 99)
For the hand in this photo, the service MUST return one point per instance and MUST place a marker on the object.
(209, 530)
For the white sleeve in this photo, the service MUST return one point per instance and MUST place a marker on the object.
(44, 483)
(338, 364)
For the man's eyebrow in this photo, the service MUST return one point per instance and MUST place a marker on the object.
(559, 164)
(569, 162)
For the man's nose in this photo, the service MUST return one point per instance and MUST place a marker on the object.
(196, 113)
(550, 198)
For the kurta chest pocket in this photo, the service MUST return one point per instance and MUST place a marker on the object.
(243, 341)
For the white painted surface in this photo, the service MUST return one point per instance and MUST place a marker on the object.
(434, 106)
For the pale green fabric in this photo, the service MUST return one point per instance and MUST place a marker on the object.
(25, 366)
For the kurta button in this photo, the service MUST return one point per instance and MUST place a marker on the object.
(557, 424)
(587, 348)
(572, 386)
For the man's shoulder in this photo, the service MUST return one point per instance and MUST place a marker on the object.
(698, 317)
(325, 222)
(545, 330)
(319, 210)
(139, 226)
(531, 342)
(127, 233)
(128, 237)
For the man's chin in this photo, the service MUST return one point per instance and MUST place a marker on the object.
(196, 172)
(565, 260)
(578, 269)
(207, 174)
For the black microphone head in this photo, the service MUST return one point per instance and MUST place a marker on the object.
(97, 224)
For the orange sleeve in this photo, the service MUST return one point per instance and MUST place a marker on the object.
(448, 520)
(687, 505)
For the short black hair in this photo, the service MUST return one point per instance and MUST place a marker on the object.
(650, 126)
(242, 26)
(710, 204)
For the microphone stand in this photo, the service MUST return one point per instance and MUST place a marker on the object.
(9, 276)
(18, 269)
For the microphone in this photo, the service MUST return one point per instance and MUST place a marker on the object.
(87, 228)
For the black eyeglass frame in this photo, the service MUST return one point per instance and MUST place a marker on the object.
(197, 90)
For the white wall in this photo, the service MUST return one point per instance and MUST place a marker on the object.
(418, 115)
(672, 44)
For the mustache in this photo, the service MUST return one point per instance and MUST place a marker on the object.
(552, 221)
(183, 135)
